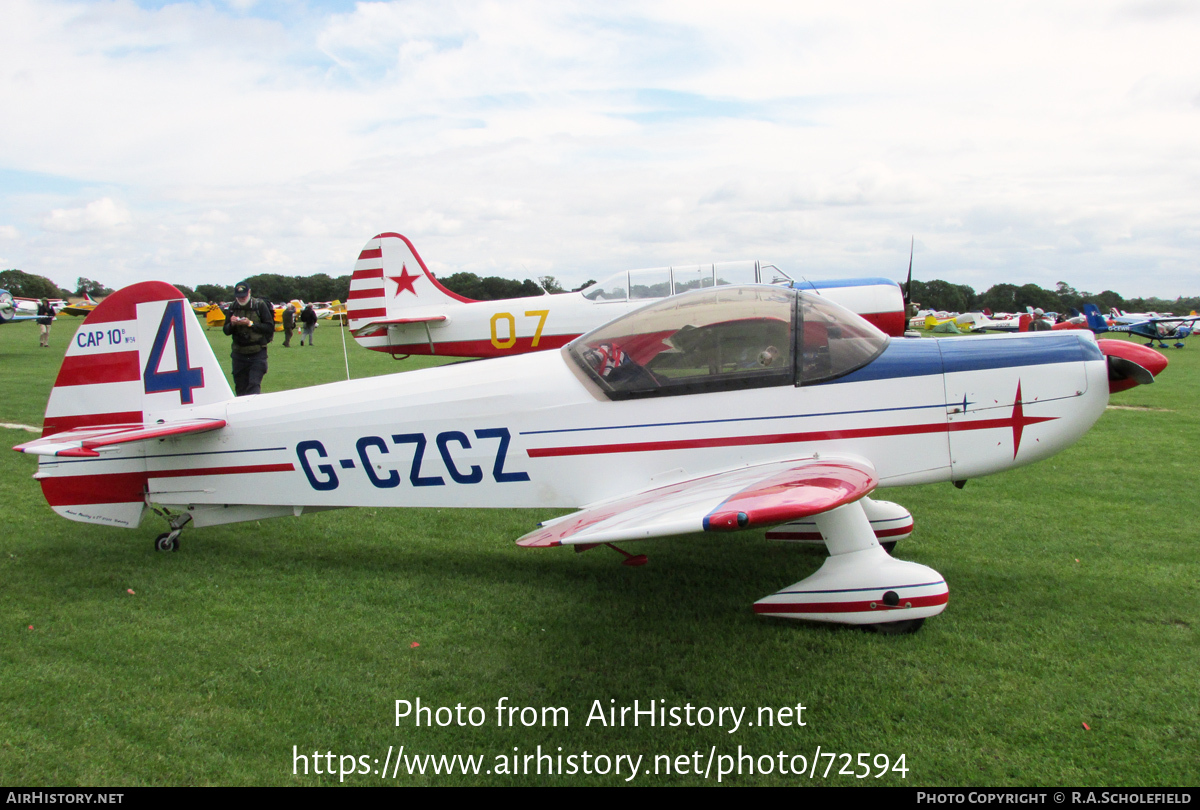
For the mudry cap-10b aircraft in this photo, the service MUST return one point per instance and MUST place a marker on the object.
(726, 408)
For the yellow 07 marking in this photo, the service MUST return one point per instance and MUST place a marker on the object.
(542, 314)
(511, 340)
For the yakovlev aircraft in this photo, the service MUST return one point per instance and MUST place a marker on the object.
(1162, 329)
(397, 306)
(726, 408)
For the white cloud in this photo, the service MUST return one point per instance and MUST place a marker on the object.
(9, 232)
(98, 215)
(575, 138)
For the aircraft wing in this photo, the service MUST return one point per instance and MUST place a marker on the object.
(745, 498)
(368, 328)
(78, 310)
(82, 442)
(1175, 319)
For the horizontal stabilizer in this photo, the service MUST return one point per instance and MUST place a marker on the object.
(745, 498)
(83, 442)
(380, 323)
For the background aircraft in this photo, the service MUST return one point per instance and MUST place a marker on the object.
(22, 309)
(1161, 329)
(721, 409)
(397, 306)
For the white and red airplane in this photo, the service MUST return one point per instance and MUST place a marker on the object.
(14, 309)
(397, 306)
(726, 408)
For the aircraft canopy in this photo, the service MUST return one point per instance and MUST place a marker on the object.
(727, 338)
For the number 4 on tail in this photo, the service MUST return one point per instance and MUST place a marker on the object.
(182, 378)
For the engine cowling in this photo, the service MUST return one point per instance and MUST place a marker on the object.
(1130, 364)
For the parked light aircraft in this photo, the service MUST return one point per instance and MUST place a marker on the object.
(1161, 329)
(397, 306)
(9, 309)
(23, 309)
(726, 408)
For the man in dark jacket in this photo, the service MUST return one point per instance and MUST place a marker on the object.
(308, 321)
(251, 323)
(289, 324)
(45, 317)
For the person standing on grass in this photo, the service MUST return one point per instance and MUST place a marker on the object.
(251, 323)
(45, 317)
(289, 325)
(308, 318)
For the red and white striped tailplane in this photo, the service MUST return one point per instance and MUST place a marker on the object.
(140, 358)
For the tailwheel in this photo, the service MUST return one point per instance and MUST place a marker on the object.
(169, 541)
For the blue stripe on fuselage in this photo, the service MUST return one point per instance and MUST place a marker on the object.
(911, 357)
(829, 284)
(904, 357)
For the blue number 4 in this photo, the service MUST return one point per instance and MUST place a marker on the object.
(183, 378)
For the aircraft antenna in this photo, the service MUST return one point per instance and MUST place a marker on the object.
(342, 327)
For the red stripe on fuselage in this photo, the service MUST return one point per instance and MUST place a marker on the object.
(779, 438)
(129, 487)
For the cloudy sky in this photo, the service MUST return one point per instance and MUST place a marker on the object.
(206, 141)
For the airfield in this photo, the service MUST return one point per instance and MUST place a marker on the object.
(1066, 655)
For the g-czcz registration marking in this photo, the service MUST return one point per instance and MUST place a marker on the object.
(371, 451)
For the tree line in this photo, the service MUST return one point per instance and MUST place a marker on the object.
(942, 295)
(935, 294)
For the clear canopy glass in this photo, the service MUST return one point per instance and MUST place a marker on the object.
(726, 338)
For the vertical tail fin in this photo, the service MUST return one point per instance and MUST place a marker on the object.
(1095, 320)
(390, 284)
(138, 359)
(139, 354)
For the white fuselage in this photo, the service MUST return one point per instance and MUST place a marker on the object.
(532, 431)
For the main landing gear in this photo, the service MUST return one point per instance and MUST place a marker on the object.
(169, 541)
(860, 583)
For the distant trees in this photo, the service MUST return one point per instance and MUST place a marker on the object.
(277, 288)
(27, 285)
(214, 292)
(491, 288)
(938, 294)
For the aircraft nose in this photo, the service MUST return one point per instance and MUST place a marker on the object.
(1130, 364)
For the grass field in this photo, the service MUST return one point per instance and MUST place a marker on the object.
(1074, 600)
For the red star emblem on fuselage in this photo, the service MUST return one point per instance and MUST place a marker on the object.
(404, 281)
(1020, 420)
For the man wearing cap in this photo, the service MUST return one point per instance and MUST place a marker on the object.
(251, 322)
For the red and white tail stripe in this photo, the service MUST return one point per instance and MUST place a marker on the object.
(139, 357)
(389, 282)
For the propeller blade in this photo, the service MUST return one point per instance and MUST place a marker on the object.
(908, 284)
